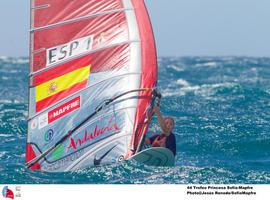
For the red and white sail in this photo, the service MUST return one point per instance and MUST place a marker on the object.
(84, 53)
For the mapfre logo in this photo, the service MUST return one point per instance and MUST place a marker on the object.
(7, 193)
(74, 48)
(64, 109)
(59, 112)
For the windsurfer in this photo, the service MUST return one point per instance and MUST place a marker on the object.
(167, 138)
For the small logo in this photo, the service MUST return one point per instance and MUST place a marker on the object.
(58, 152)
(43, 121)
(7, 193)
(34, 124)
(18, 192)
(48, 136)
(121, 158)
(52, 88)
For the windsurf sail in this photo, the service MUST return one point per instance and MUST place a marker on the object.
(93, 71)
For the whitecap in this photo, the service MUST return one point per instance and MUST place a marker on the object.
(182, 82)
(176, 68)
(172, 92)
(4, 58)
(5, 101)
(4, 78)
(17, 101)
(218, 85)
(4, 135)
(191, 88)
(13, 71)
(205, 90)
(179, 89)
(208, 64)
(2, 154)
(254, 69)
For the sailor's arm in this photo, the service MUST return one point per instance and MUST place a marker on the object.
(161, 120)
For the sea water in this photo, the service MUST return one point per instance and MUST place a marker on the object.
(221, 106)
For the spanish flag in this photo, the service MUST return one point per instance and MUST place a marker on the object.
(55, 85)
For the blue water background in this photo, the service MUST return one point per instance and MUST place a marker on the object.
(221, 106)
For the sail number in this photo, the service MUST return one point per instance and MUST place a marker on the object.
(66, 51)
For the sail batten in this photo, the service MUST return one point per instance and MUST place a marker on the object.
(90, 82)
(79, 19)
(72, 9)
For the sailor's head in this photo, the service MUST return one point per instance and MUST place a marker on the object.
(169, 121)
